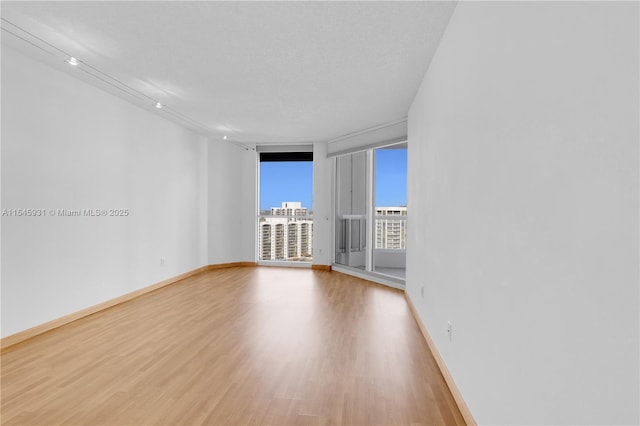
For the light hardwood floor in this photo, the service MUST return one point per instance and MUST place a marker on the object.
(277, 346)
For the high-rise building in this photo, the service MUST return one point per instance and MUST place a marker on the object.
(289, 237)
(391, 233)
(290, 208)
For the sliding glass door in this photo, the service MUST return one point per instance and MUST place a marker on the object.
(371, 210)
(351, 210)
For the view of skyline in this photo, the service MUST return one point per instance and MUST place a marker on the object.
(293, 181)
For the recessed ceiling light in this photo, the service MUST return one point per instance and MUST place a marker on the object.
(225, 137)
(73, 61)
(159, 105)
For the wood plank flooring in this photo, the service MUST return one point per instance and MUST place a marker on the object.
(237, 346)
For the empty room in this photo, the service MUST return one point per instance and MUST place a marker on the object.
(320, 213)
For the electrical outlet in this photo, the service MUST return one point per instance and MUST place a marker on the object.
(422, 292)
(450, 330)
(162, 261)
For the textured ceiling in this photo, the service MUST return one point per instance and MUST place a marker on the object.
(255, 71)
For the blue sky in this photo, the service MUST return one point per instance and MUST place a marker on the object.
(293, 181)
(391, 177)
(286, 181)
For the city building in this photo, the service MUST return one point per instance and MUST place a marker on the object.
(290, 208)
(391, 233)
(289, 237)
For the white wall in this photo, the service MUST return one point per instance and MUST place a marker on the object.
(322, 204)
(68, 145)
(523, 192)
(232, 210)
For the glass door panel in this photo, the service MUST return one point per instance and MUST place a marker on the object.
(351, 210)
(390, 207)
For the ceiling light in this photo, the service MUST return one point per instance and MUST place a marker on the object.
(225, 138)
(73, 61)
(159, 105)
